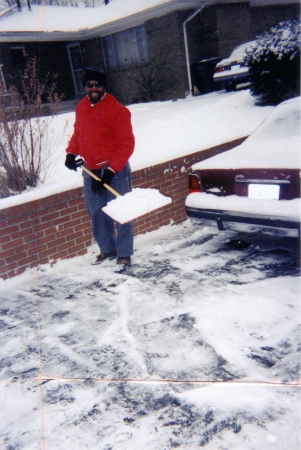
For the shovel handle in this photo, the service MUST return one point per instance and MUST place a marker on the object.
(109, 188)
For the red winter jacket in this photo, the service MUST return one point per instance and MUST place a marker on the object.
(102, 133)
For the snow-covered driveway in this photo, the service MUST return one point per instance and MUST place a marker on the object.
(196, 345)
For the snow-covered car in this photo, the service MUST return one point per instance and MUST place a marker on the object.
(256, 185)
(232, 71)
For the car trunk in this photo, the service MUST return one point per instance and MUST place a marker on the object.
(281, 184)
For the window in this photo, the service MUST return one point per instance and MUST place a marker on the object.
(17, 55)
(76, 64)
(125, 48)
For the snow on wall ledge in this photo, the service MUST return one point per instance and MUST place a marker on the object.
(58, 226)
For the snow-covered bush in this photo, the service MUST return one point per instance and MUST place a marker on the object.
(275, 64)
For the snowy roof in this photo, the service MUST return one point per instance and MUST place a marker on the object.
(54, 23)
(66, 23)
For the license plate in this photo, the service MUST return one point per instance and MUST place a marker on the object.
(264, 191)
(235, 67)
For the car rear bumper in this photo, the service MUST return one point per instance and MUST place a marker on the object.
(222, 78)
(247, 223)
(219, 210)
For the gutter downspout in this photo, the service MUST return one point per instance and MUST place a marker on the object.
(186, 43)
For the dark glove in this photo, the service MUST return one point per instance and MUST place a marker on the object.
(107, 177)
(97, 186)
(71, 163)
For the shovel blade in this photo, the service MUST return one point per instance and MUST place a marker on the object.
(134, 204)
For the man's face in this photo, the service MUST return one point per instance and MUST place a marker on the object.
(94, 91)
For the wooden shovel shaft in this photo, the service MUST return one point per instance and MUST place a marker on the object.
(109, 188)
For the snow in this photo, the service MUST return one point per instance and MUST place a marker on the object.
(274, 153)
(59, 18)
(194, 346)
(135, 204)
(282, 39)
(274, 208)
(166, 354)
(277, 141)
(163, 131)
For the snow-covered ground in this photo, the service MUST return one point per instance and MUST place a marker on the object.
(196, 345)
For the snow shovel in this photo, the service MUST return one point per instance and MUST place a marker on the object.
(132, 205)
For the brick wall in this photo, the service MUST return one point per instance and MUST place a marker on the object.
(233, 26)
(58, 227)
(42, 231)
(263, 18)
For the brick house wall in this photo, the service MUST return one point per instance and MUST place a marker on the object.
(264, 17)
(58, 227)
(168, 52)
(233, 24)
(224, 26)
(209, 36)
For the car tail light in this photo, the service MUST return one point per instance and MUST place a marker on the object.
(219, 69)
(195, 184)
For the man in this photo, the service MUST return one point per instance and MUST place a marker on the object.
(104, 140)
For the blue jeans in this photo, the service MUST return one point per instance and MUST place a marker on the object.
(102, 224)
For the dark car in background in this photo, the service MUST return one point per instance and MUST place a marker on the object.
(232, 71)
(256, 185)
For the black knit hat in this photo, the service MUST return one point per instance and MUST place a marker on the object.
(93, 73)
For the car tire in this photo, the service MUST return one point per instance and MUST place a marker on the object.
(230, 87)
